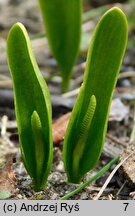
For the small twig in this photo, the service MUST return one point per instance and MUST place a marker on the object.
(71, 93)
(82, 66)
(132, 136)
(127, 74)
(6, 84)
(82, 186)
(110, 176)
(121, 188)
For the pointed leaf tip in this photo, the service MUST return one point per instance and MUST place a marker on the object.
(35, 120)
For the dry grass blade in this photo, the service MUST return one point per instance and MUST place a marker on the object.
(127, 74)
(111, 175)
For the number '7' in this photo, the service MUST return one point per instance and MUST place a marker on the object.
(126, 205)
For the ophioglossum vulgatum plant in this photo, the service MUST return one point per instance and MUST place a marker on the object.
(62, 19)
(32, 106)
(87, 127)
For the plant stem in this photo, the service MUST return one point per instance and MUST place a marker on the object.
(100, 173)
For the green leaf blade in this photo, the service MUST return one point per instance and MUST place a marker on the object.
(103, 64)
(30, 94)
(63, 28)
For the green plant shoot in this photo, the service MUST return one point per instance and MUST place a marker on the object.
(32, 106)
(86, 131)
(63, 28)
